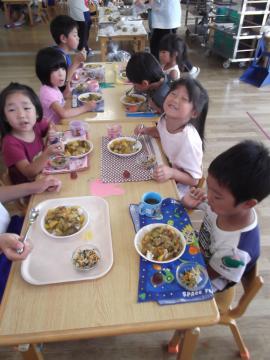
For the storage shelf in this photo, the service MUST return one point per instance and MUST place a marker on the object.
(232, 43)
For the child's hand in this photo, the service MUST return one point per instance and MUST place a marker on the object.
(194, 197)
(154, 107)
(91, 105)
(51, 133)
(9, 244)
(80, 57)
(140, 130)
(162, 173)
(54, 149)
(47, 183)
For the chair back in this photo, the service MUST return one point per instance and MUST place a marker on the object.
(251, 282)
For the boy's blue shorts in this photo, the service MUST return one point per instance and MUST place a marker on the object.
(14, 227)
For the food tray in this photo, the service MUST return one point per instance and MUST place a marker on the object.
(50, 260)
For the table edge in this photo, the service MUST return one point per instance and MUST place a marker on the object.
(70, 335)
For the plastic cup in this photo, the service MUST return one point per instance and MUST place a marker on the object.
(77, 128)
(93, 85)
(114, 131)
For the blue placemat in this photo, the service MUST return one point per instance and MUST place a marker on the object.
(157, 282)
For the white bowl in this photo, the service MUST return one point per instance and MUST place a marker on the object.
(78, 254)
(85, 223)
(93, 66)
(91, 147)
(82, 97)
(141, 100)
(138, 146)
(200, 279)
(146, 229)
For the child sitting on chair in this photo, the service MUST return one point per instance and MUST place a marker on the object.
(147, 76)
(181, 133)
(229, 238)
(64, 31)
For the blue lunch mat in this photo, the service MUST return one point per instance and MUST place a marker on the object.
(158, 282)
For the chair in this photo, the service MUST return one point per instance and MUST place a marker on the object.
(18, 206)
(251, 283)
(43, 11)
(93, 8)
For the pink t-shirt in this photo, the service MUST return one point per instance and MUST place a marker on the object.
(15, 150)
(183, 149)
(49, 95)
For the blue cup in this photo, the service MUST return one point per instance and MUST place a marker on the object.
(150, 204)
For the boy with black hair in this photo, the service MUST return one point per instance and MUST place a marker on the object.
(145, 72)
(64, 31)
(229, 238)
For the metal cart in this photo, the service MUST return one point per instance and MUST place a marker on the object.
(235, 32)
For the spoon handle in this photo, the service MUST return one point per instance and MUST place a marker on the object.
(20, 251)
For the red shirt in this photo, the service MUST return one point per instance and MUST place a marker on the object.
(15, 150)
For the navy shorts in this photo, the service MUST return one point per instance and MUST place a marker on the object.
(14, 227)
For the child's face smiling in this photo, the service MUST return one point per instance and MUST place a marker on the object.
(178, 106)
(220, 199)
(20, 112)
(72, 41)
(58, 77)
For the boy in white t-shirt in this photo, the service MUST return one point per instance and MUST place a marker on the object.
(229, 237)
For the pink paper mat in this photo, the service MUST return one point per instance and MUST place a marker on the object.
(74, 164)
(113, 166)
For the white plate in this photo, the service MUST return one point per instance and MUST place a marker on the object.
(93, 66)
(50, 259)
(146, 229)
(85, 223)
(139, 96)
(139, 146)
(81, 96)
(91, 147)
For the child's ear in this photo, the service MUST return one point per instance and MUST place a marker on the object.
(145, 84)
(248, 204)
(63, 39)
(194, 114)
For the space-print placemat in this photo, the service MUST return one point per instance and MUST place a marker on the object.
(116, 169)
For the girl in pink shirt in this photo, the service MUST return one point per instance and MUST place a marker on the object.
(51, 69)
(181, 132)
(23, 129)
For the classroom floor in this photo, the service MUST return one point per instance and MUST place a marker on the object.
(237, 111)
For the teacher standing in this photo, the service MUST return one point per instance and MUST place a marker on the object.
(166, 18)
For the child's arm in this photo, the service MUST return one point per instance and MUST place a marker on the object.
(152, 131)
(212, 273)
(66, 111)
(12, 192)
(163, 173)
(32, 169)
(78, 59)
(154, 107)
